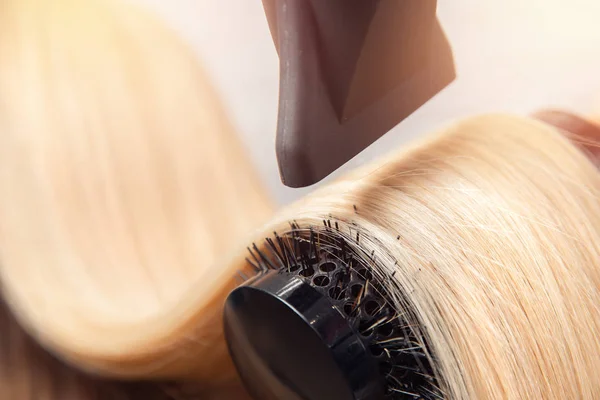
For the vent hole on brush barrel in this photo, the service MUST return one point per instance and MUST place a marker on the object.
(364, 274)
(356, 290)
(385, 330)
(328, 267)
(321, 281)
(372, 307)
(294, 268)
(350, 310)
(307, 272)
(366, 327)
(342, 278)
(337, 293)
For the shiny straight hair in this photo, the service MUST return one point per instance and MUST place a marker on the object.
(124, 184)
(487, 238)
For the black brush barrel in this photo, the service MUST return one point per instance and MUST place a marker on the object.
(289, 342)
(318, 322)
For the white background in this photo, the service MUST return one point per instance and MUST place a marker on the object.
(512, 55)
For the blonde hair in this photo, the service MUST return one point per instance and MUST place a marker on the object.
(488, 236)
(124, 191)
(123, 183)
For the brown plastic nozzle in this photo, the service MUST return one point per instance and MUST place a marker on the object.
(350, 70)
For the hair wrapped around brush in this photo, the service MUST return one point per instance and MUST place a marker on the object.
(468, 262)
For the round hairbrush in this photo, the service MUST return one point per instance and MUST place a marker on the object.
(317, 322)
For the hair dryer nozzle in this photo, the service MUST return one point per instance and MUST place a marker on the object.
(350, 70)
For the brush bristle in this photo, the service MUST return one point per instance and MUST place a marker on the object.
(327, 261)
